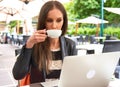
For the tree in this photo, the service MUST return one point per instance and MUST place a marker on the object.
(70, 10)
(78, 9)
(112, 17)
(84, 8)
(12, 24)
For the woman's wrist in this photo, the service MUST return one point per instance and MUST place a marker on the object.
(29, 44)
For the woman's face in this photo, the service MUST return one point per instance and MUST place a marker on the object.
(54, 19)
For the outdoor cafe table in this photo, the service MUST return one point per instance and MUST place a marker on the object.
(84, 47)
(113, 83)
(99, 38)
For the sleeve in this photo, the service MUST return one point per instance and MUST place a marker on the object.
(22, 64)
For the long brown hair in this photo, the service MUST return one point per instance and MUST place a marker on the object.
(42, 51)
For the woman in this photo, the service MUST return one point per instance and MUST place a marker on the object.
(43, 55)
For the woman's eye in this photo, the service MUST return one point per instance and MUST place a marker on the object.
(49, 20)
(59, 20)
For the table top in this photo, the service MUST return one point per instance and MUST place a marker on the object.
(33, 85)
(100, 37)
(113, 83)
(97, 47)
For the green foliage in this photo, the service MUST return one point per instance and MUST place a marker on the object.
(86, 31)
(70, 10)
(84, 8)
(112, 31)
(71, 30)
(112, 17)
(78, 9)
(12, 24)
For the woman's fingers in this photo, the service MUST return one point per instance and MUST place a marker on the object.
(41, 31)
(40, 35)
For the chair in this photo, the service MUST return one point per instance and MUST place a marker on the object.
(112, 46)
(86, 39)
(17, 51)
(80, 39)
(25, 38)
(108, 37)
(74, 39)
(93, 40)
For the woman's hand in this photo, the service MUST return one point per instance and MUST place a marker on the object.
(38, 36)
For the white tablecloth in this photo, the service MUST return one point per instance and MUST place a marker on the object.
(115, 83)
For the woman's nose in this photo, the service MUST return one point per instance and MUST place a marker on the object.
(54, 25)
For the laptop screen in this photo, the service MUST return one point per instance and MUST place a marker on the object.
(93, 70)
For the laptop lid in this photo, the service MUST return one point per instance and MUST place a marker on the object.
(95, 70)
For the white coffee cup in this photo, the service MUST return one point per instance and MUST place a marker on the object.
(54, 33)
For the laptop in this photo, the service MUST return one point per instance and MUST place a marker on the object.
(95, 70)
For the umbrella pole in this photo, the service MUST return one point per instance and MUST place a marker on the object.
(18, 26)
(26, 28)
(76, 28)
(97, 29)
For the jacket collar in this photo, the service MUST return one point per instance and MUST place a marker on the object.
(63, 46)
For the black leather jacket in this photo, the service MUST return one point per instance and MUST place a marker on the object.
(25, 59)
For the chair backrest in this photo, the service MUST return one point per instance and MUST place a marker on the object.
(111, 46)
(80, 39)
(93, 40)
(74, 39)
(108, 37)
(87, 38)
(25, 38)
(17, 51)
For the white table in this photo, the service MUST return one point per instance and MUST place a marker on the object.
(96, 47)
(113, 83)
(98, 38)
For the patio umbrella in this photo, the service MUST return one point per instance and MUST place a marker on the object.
(113, 10)
(34, 7)
(12, 4)
(92, 20)
(26, 1)
(10, 17)
(13, 11)
(62, 1)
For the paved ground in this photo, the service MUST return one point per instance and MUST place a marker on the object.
(7, 60)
